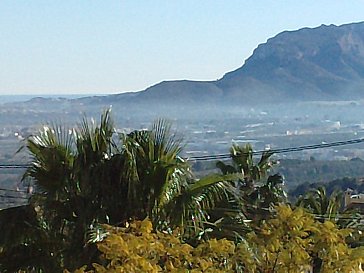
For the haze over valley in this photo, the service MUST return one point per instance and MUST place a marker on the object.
(165, 136)
(299, 88)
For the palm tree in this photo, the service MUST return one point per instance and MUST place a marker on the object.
(68, 168)
(91, 175)
(259, 196)
(327, 207)
(153, 168)
(168, 192)
(324, 206)
(244, 163)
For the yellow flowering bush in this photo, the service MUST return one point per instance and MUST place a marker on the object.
(287, 243)
(294, 241)
(137, 249)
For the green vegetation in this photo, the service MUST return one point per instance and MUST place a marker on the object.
(339, 185)
(300, 172)
(286, 243)
(107, 202)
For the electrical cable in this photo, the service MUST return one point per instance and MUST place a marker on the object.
(14, 166)
(227, 156)
(13, 190)
(283, 150)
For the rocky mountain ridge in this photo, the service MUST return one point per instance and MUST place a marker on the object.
(322, 63)
(325, 63)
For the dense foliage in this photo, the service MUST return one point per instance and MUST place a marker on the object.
(94, 188)
(292, 241)
(339, 185)
(302, 172)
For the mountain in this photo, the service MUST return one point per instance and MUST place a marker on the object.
(322, 63)
(309, 64)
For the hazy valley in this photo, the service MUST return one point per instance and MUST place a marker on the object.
(299, 88)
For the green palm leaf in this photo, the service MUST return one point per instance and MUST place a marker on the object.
(189, 208)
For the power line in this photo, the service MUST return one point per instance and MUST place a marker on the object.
(14, 166)
(283, 150)
(13, 190)
(227, 155)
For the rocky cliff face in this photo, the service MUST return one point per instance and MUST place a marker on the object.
(326, 62)
(323, 63)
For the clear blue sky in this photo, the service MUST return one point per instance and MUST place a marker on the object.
(109, 46)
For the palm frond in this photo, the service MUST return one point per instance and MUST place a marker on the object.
(189, 209)
(130, 173)
(168, 144)
(96, 142)
(52, 158)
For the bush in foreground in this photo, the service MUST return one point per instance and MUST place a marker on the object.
(291, 242)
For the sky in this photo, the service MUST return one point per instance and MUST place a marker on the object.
(114, 46)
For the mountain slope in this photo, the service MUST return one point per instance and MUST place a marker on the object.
(323, 63)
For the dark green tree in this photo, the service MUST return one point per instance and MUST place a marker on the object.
(259, 191)
(91, 175)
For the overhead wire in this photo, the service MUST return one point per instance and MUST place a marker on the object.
(207, 158)
(13, 190)
(283, 150)
(14, 166)
(227, 155)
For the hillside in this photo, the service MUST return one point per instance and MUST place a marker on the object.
(325, 63)
(322, 63)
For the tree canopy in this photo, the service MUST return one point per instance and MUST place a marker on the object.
(129, 202)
